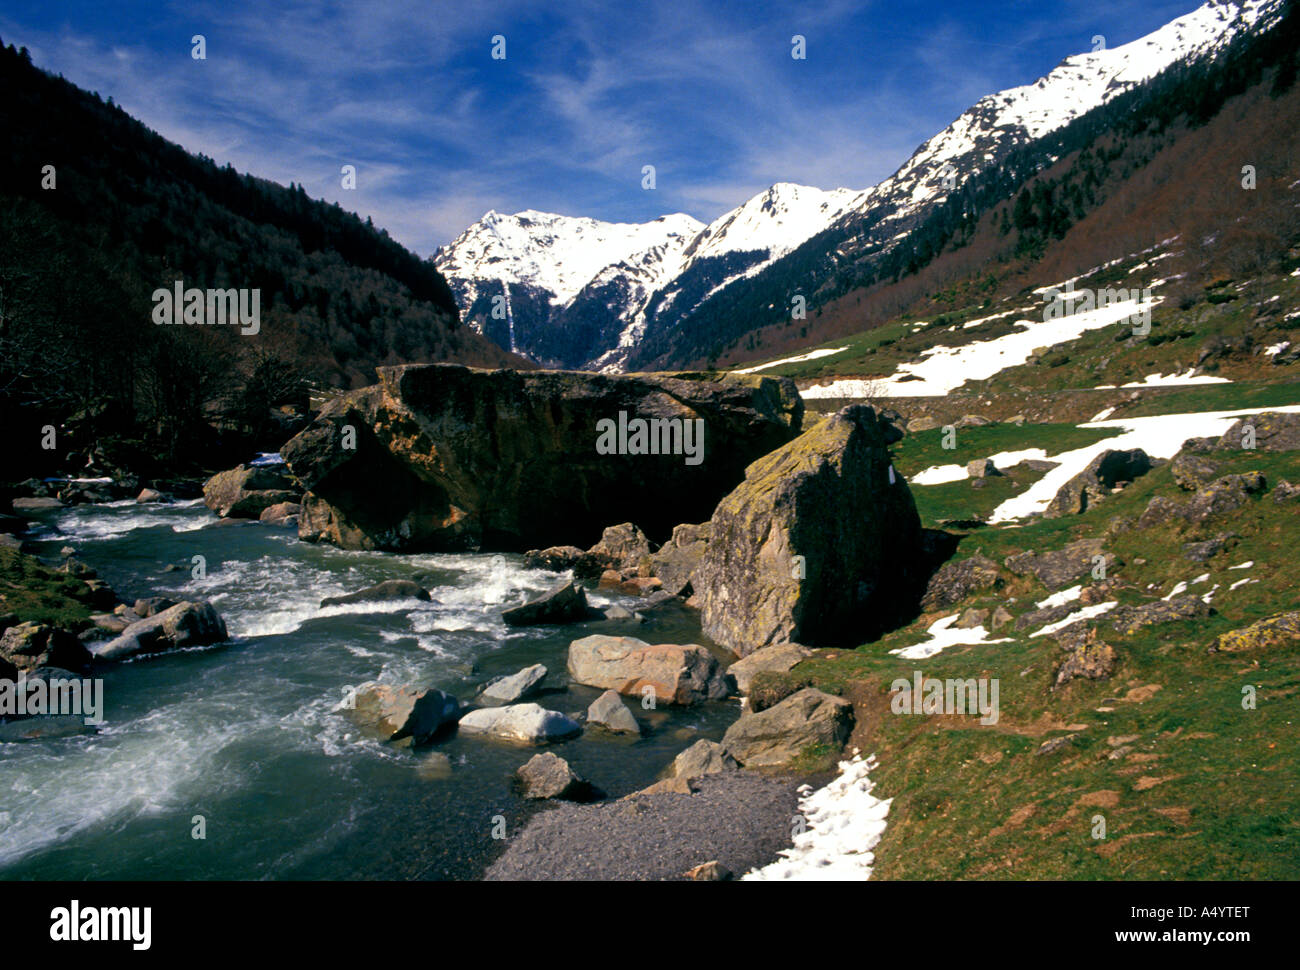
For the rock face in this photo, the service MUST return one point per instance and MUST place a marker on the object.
(246, 491)
(523, 723)
(1061, 566)
(187, 624)
(955, 581)
(402, 713)
(508, 460)
(283, 514)
(821, 535)
(509, 690)
(1271, 431)
(566, 604)
(1095, 482)
(777, 736)
(780, 658)
(678, 674)
(609, 712)
(31, 646)
(1223, 495)
(389, 589)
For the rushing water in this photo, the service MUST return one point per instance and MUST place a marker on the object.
(245, 734)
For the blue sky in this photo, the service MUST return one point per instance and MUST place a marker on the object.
(588, 93)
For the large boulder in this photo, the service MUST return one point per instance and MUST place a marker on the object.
(547, 775)
(622, 547)
(1266, 431)
(1282, 629)
(564, 604)
(187, 624)
(819, 544)
(246, 491)
(446, 457)
(401, 713)
(677, 673)
(702, 758)
(1095, 482)
(523, 723)
(776, 737)
(32, 646)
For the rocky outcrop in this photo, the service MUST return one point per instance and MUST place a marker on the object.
(816, 545)
(1221, 496)
(955, 581)
(675, 673)
(1266, 431)
(609, 712)
(187, 624)
(1104, 473)
(516, 687)
(283, 514)
(1276, 631)
(521, 723)
(246, 491)
(401, 713)
(779, 735)
(387, 591)
(1129, 619)
(445, 457)
(1086, 656)
(565, 604)
(1061, 567)
(675, 562)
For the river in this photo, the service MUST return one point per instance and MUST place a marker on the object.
(244, 734)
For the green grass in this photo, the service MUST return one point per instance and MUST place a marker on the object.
(34, 592)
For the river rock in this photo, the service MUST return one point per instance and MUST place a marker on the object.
(564, 604)
(387, 591)
(152, 605)
(527, 723)
(31, 646)
(677, 560)
(245, 491)
(609, 712)
(187, 624)
(780, 658)
(677, 674)
(817, 545)
(547, 775)
(509, 690)
(624, 548)
(150, 495)
(702, 758)
(401, 713)
(449, 457)
(283, 514)
(777, 736)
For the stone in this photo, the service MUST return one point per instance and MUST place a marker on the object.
(1208, 549)
(557, 559)
(187, 624)
(1271, 431)
(819, 543)
(609, 712)
(776, 737)
(677, 560)
(397, 714)
(564, 604)
(1096, 481)
(1284, 491)
(702, 758)
(283, 514)
(1062, 566)
(1088, 657)
(780, 657)
(150, 495)
(1280, 630)
(677, 674)
(245, 491)
(1129, 619)
(713, 871)
(955, 581)
(981, 468)
(616, 612)
(973, 421)
(510, 460)
(35, 504)
(1192, 472)
(152, 605)
(1001, 617)
(516, 687)
(388, 591)
(972, 618)
(547, 775)
(923, 423)
(523, 723)
(623, 548)
(31, 646)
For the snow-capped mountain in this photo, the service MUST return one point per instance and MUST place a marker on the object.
(584, 293)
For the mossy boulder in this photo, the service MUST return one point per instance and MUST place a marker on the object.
(1276, 631)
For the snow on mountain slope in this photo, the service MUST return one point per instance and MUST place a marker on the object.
(777, 221)
(559, 254)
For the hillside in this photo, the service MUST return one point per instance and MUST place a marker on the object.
(123, 212)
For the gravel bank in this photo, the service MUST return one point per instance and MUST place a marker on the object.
(739, 818)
